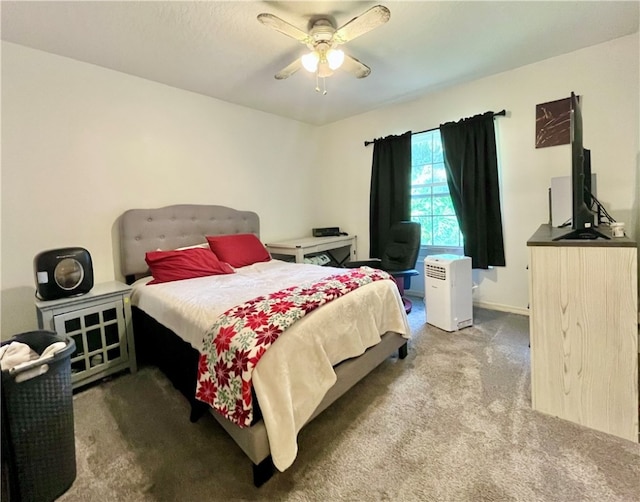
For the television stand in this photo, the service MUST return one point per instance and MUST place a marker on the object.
(589, 233)
(583, 323)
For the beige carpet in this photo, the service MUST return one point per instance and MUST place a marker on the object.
(451, 422)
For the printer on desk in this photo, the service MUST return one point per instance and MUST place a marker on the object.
(327, 232)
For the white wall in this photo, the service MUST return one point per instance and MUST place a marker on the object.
(606, 76)
(81, 144)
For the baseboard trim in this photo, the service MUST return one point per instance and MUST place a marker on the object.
(502, 308)
(482, 305)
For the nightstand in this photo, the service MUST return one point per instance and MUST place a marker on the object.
(100, 324)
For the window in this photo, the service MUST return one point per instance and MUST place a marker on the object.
(431, 204)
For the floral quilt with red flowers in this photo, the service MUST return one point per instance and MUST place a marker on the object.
(239, 337)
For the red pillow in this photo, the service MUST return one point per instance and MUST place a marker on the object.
(167, 266)
(238, 250)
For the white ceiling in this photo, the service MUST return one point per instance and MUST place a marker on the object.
(219, 49)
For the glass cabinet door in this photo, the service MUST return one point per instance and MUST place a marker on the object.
(99, 334)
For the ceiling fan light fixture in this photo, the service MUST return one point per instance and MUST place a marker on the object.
(335, 57)
(322, 38)
(310, 61)
(324, 69)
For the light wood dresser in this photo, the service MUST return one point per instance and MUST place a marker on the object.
(584, 330)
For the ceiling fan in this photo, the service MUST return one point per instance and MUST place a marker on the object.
(323, 40)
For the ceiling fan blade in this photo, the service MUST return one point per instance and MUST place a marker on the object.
(360, 25)
(283, 27)
(289, 70)
(355, 67)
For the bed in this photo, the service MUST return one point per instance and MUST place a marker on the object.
(170, 338)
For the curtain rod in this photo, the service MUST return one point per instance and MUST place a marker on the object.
(501, 113)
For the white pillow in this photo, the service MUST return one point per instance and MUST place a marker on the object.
(204, 245)
(201, 245)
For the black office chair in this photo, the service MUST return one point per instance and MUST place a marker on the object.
(398, 257)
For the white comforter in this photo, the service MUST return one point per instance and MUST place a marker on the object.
(296, 372)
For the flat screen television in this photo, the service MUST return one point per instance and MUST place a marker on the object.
(588, 189)
(583, 219)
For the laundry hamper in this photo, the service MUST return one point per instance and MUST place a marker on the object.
(38, 443)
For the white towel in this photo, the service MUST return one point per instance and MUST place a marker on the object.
(18, 354)
(15, 353)
(52, 349)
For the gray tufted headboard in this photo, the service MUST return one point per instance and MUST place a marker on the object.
(170, 227)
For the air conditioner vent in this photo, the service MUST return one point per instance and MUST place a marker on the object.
(435, 272)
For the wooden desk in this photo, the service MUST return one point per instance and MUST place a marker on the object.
(299, 248)
(584, 333)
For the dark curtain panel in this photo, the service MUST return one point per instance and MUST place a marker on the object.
(390, 188)
(472, 175)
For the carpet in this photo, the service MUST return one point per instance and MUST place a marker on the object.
(451, 422)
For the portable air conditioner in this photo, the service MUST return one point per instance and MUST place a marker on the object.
(448, 285)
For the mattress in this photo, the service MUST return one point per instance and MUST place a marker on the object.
(294, 375)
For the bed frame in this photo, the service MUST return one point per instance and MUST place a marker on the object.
(170, 227)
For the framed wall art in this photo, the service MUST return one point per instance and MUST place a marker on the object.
(553, 123)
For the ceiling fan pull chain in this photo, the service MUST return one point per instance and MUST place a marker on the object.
(324, 85)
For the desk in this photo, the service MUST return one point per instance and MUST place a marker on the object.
(303, 246)
(583, 328)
